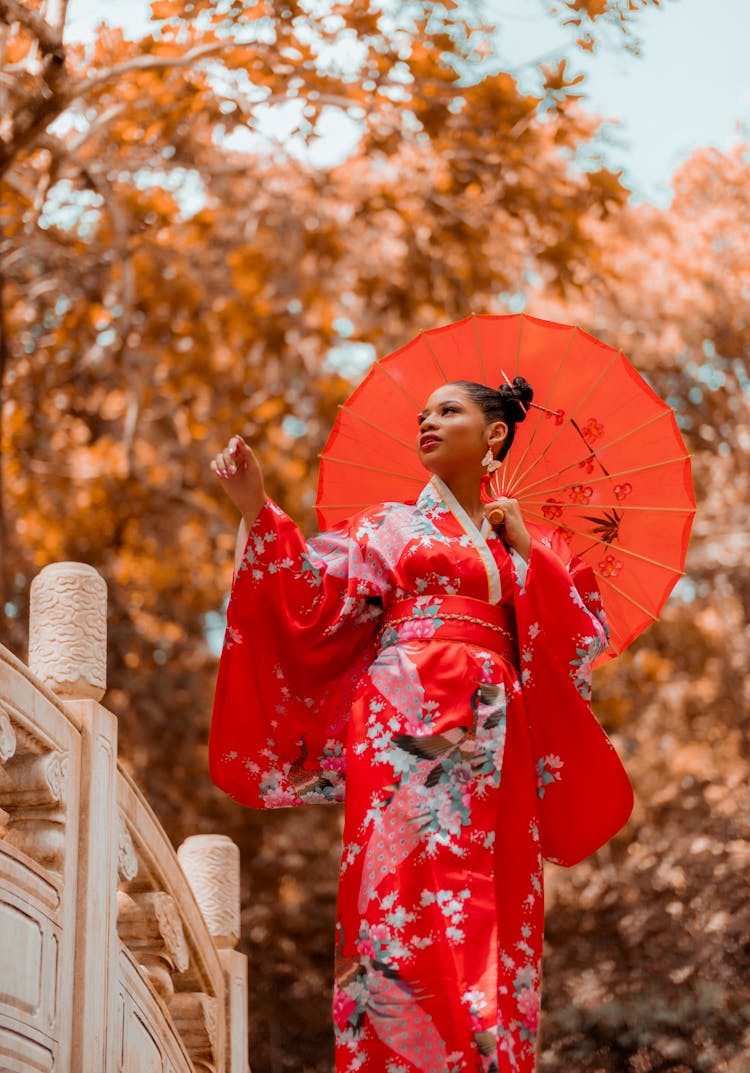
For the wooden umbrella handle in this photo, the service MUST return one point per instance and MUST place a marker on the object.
(496, 516)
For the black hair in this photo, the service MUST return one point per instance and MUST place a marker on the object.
(508, 403)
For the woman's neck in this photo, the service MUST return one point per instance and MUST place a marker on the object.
(465, 487)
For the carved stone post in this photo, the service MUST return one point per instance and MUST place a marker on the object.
(212, 866)
(68, 630)
(68, 652)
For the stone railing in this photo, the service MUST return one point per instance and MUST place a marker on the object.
(116, 953)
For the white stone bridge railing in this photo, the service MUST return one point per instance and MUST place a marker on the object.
(116, 953)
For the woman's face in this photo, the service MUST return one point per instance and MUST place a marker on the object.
(453, 433)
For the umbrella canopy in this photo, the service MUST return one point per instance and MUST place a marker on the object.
(602, 461)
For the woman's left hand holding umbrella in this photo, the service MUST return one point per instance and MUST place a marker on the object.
(515, 533)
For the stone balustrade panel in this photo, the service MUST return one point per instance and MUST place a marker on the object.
(40, 766)
(113, 959)
(161, 927)
(144, 1037)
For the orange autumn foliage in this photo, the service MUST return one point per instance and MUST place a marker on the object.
(166, 279)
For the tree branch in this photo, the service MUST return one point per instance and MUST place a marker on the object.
(148, 63)
(59, 14)
(50, 41)
(127, 287)
(38, 109)
(4, 355)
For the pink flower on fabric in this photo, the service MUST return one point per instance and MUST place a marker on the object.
(581, 493)
(609, 566)
(279, 798)
(343, 1008)
(593, 430)
(334, 763)
(232, 637)
(552, 509)
(528, 1004)
(380, 933)
(366, 948)
(623, 490)
(417, 629)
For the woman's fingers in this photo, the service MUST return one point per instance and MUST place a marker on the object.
(237, 467)
(515, 533)
(502, 503)
(233, 458)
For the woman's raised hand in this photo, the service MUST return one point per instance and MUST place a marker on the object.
(515, 533)
(238, 470)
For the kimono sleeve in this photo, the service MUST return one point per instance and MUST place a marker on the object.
(301, 626)
(584, 793)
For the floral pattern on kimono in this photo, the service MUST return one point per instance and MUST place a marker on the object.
(440, 908)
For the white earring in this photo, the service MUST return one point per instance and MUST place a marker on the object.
(489, 461)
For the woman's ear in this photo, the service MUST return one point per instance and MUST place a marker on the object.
(498, 433)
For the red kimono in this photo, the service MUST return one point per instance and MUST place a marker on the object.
(422, 664)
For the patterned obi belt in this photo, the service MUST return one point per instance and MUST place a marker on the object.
(451, 618)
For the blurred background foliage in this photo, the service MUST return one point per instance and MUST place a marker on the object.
(165, 281)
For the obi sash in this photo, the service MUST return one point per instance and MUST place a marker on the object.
(452, 618)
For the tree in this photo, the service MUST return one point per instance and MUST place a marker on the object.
(647, 940)
(167, 280)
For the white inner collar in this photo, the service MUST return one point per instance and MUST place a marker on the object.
(478, 537)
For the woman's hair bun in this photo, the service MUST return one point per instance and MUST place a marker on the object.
(520, 392)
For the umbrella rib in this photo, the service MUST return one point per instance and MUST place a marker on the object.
(345, 506)
(379, 428)
(373, 469)
(626, 596)
(434, 356)
(611, 506)
(620, 549)
(540, 414)
(592, 387)
(521, 494)
(521, 323)
(479, 348)
(379, 365)
(592, 454)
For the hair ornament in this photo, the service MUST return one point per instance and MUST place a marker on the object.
(513, 389)
(516, 388)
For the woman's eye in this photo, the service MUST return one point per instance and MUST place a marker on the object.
(449, 409)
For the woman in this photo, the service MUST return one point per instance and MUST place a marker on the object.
(415, 653)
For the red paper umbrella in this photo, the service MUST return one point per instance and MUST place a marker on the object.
(599, 457)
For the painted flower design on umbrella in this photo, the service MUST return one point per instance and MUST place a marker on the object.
(581, 493)
(553, 508)
(593, 430)
(609, 566)
(622, 491)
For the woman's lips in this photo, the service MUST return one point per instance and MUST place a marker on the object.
(425, 442)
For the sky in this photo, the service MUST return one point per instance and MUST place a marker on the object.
(690, 87)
